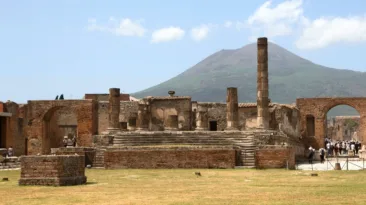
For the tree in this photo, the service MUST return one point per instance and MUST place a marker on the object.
(56, 97)
(61, 96)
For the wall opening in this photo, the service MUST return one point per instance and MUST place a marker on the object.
(123, 125)
(342, 123)
(132, 123)
(213, 125)
(3, 132)
(58, 123)
(310, 125)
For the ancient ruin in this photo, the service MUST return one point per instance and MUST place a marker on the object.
(62, 170)
(173, 127)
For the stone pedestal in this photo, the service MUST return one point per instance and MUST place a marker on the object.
(171, 122)
(142, 122)
(201, 118)
(232, 109)
(61, 170)
(262, 84)
(113, 110)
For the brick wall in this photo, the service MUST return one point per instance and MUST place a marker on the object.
(152, 159)
(104, 97)
(52, 170)
(275, 157)
(88, 153)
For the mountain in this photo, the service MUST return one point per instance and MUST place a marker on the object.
(290, 77)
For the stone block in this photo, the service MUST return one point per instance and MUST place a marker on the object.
(52, 170)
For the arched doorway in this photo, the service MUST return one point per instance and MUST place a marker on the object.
(57, 123)
(343, 123)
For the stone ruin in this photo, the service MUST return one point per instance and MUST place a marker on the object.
(106, 123)
(52, 170)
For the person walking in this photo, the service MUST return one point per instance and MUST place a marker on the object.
(322, 155)
(311, 155)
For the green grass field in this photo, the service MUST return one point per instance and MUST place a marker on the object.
(181, 186)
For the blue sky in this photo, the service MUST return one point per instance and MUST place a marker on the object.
(84, 46)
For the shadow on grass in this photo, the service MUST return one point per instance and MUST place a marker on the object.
(91, 183)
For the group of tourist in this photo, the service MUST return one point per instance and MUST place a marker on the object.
(69, 142)
(336, 148)
(9, 152)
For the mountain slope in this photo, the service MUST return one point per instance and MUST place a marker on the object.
(290, 77)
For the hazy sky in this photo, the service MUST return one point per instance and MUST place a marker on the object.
(84, 46)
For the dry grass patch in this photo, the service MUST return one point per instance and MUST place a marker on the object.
(181, 186)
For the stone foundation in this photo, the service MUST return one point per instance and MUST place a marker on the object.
(88, 153)
(51, 170)
(275, 157)
(165, 158)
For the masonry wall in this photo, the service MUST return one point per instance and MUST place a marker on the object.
(39, 114)
(275, 157)
(162, 107)
(215, 112)
(52, 170)
(14, 135)
(128, 110)
(104, 97)
(88, 153)
(169, 159)
(248, 117)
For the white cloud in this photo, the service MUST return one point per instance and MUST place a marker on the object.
(275, 21)
(228, 24)
(201, 32)
(124, 27)
(325, 31)
(167, 34)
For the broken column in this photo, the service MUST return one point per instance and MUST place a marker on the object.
(142, 122)
(262, 84)
(232, 110)
(201, 118)
(114, 109)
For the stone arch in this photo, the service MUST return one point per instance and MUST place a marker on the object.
(319, 107)
(54, 128)
(41, 111)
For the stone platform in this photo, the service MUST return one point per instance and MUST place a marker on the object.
(52, 170)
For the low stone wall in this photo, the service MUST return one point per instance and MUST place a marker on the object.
(88, 153)
(169, 158)
(52, 170)
(275, 157)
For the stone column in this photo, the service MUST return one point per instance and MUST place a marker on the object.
(232, 110)
(142, 122)
(171, 122)
(201, 118)
(114, 109)
(262, 84)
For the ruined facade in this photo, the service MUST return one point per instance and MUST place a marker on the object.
(343, 128)
(115, 120)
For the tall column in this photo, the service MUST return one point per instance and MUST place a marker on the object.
(232, 110)
(114, 109)
(142, 122)
(262, 84)
(201, 118)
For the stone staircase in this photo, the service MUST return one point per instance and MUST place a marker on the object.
(244, 143)
(99, 158)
